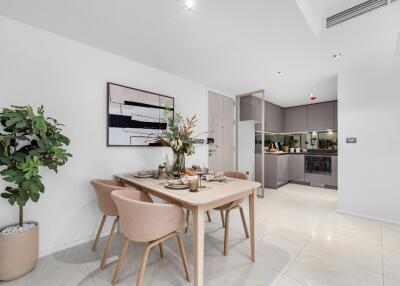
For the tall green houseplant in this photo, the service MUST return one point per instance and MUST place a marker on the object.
(28, 140)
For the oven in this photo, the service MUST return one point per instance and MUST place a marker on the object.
(320, 165)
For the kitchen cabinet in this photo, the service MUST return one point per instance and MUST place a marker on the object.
(295, 119)
(246, 112)
(320, 116)
(335, 118)
(250, 108)
(270, 171)
(273, 118)
(334, 178)
(282, 169)
(296, 168)
(276, 170)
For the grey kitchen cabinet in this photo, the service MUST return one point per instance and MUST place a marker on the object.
(320, 116)
(270, 171)
(250, 108)
(282, 169)
(295, 119)
(296, 168)
(276, 170)
(335, 117)
(334, 177)
(246, 106)
(273, 117)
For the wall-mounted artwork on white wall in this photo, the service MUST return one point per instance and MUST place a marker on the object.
(135, 117)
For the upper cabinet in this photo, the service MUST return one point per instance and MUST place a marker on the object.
(295, 119)
(246, 112)
(312, 117)
(320, 116)
(273, 118)
(250, 108)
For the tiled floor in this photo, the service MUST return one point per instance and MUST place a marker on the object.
(301, 240)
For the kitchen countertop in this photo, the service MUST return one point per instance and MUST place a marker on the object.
(303, 153)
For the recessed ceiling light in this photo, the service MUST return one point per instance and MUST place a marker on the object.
(337, 55)
(189, 4)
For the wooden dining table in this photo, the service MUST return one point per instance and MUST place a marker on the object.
(213, 195)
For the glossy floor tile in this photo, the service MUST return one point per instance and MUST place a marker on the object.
(301, 241)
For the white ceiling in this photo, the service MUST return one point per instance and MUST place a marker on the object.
(231, 45)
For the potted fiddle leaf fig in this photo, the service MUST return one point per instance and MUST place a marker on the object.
(28, 141)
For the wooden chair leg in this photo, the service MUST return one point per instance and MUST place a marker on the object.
(96, 241)
(184, 258)
(222, 218)
(187, 221)
(108, 245)
(208, 216)
(161, 250)
(120, 262)
(139, 279)
(226, 238)
(244, 222)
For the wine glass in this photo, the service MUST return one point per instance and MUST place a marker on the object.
(200, 173)
(195, 164)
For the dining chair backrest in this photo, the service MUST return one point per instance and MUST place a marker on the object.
(142, 220)
(103, 190)
(236, 175)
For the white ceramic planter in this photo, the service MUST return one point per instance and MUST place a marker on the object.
(19, 253)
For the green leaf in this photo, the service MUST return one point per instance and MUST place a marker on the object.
(12, 199)
(12, 121)
(9, 179)
(6, 195)
(21, 124)
(35, 197)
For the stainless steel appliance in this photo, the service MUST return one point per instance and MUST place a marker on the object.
(321, 165)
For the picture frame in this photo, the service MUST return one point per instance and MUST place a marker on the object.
(135, 116)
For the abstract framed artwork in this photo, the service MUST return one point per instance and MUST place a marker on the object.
(134, 116)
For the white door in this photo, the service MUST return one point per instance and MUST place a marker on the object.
(221, 118)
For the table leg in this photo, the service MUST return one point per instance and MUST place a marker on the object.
(198, 245)
(252, 225)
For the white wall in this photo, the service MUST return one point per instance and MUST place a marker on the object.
(369, 171)
(69, 79)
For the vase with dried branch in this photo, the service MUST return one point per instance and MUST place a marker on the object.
(178, 136)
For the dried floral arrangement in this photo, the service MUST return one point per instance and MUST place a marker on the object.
(179, 133)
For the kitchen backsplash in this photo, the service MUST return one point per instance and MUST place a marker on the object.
(323, 140)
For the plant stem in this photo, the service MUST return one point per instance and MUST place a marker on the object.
(21, 215)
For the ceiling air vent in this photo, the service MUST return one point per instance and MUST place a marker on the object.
(355, 11)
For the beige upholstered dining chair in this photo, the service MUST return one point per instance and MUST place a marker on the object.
(107, 206)
(227, 208)
(141, 220)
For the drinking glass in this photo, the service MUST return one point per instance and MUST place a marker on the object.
(194, 184)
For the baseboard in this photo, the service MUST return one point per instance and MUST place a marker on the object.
(368, 217)
(49, 251)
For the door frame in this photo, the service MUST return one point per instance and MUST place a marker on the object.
(260, 192)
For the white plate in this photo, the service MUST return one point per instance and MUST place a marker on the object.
(177, 187)
(142, 176)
